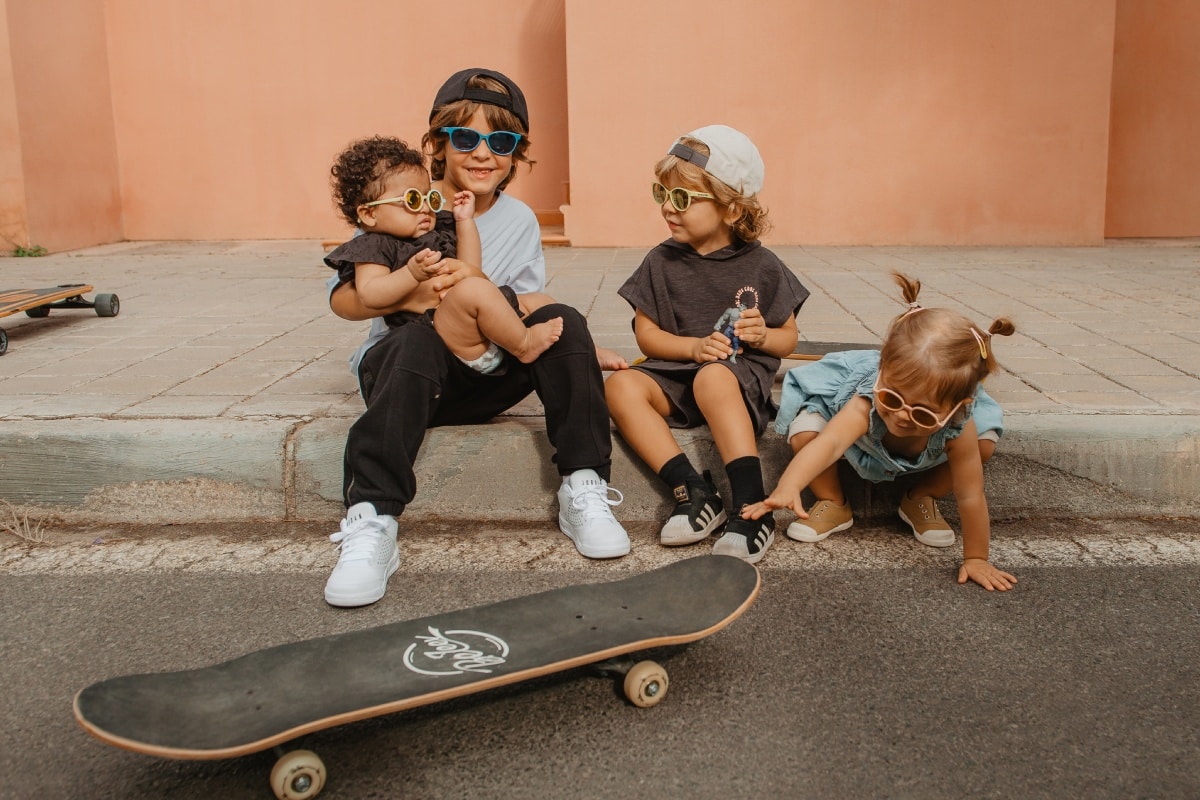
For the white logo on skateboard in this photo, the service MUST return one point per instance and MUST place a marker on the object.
(469, 651)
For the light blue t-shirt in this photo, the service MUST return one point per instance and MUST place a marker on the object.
(824, 387)
(512, 256)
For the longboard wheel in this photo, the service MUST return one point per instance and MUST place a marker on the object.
(298, 775)
(38, 312)
(646, 684)
(107, 305)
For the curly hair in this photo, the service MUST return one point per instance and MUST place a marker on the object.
(459, 113)
(750, 221)
(939, 348)
(360, 171)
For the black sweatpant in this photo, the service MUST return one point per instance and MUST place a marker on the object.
(411, 382)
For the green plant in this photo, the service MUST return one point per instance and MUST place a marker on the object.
(33, 251)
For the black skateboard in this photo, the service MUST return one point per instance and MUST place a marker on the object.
(270, 697)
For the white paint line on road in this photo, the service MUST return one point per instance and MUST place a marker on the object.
(1115, 543)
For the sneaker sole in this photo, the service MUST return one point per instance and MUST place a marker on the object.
(939, 538)
(734, 552)
(803, 533)
(616, 551)
(364, 598)
(691, 537)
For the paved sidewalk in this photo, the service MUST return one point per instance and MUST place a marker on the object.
(221, 391)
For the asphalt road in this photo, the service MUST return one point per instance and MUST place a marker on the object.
(880, 681)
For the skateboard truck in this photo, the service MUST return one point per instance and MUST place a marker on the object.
(37, 303)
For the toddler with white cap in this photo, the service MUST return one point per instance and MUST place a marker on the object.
(707, 190)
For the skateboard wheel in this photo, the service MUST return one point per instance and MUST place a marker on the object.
(107, 305)
(38, 311)
(646, 684)
(298, 775)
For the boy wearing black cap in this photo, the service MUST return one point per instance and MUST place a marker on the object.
(410, 381)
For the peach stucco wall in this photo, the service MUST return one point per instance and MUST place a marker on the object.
(14, 228)
(1154, 160)
(910, 121)
(906, 121)
(229, 113)
(63, 111)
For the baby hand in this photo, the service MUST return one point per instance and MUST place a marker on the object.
(987, 576)
(751, 329)
(464, 205)
(425, 264)
(775, 501)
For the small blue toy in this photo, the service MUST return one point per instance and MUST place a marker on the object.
(725, 326)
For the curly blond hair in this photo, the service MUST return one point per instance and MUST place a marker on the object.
(750, 218)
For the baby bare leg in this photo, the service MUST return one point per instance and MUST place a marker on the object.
(937, 482)
(475, 312)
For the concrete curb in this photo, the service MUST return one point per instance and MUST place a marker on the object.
(207, 470)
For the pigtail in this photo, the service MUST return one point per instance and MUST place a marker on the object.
(1002, 326)
(910, 288)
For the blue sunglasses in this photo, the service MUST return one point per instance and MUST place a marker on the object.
(465, 140)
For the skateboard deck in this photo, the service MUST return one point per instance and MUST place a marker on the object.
(272, 696)
(815, 351)
(39, 302)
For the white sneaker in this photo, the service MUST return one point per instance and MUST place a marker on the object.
(585, 515)
(369, 557)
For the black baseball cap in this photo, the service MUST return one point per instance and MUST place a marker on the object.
(455, 88)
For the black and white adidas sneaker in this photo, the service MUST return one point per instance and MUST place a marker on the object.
(698, 512)
(747, 539)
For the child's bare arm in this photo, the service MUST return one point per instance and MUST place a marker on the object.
(836, 437)
(657, 343)
(379, 288)
(345, 302)
(966, 473)
(752, 331)
(470, 248)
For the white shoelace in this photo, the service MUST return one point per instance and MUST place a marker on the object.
(593, 500)
(353, 539)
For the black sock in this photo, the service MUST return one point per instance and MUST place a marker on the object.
(679, 471)
(745, 482)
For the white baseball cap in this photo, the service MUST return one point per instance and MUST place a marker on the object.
(733, 159)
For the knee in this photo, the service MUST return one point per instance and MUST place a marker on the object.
(987, 449)
(469, 291)
(801, 440)
(572, 319)
(715, 382)
(618, 388)
(575, 339)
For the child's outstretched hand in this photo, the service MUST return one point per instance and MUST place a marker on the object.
(982, 572)
(775, 501)
(464, 205)
(425, 265)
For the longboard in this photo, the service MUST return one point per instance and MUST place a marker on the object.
(269, 697)
(39, 302)
(815, 351)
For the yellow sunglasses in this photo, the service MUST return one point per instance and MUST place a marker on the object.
(413, 200)
(681, 199)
